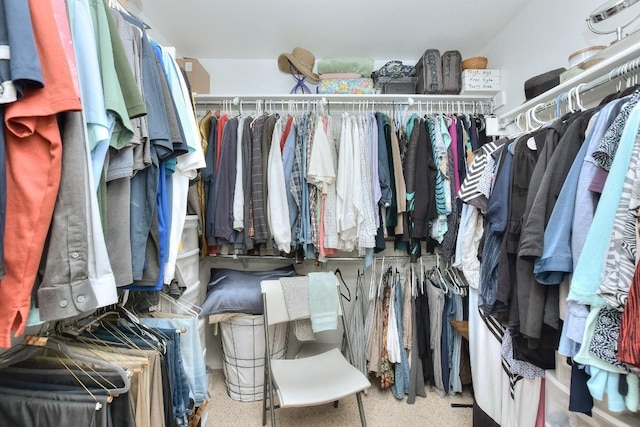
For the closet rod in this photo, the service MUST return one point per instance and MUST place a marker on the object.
(284, 258)
(344, 98)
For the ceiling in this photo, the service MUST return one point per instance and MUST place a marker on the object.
(378, 29)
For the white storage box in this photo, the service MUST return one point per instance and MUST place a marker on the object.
(189, 239)
(481, 73)
(563, 370)
(193, 293)
(243, 354)
(481, 81)
(188, 267)
(557, 412)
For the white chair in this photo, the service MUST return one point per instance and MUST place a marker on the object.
(310, 381)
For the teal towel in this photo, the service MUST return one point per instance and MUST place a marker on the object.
(323, 301)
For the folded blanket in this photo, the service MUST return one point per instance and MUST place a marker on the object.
(343, 76)
(362, 66)
(323, 301)
(351, 86)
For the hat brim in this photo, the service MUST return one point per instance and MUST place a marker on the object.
(283, 65)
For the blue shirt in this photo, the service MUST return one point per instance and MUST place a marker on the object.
(556, 259)
(497, 217)
(93, 104)
(152, 89)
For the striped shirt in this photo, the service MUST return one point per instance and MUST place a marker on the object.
(472, 188)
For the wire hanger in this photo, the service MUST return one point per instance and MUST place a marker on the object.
(339, 274)
(193, 311)
(25, 351)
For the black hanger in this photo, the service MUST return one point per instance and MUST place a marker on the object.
(610, 98)
(339, 274)
(628, 91)
(359, 283)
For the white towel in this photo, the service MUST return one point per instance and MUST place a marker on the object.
(323, 301)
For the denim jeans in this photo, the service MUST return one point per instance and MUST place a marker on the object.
(179, 387)
(191, 350)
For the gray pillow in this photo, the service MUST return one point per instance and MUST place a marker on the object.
(234, 291)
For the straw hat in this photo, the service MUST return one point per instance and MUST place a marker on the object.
(302, 61)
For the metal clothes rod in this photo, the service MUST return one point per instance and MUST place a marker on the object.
(283, 258)
(344, 98)
(433, 103)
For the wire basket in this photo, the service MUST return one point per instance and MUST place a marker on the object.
(243, 354)
(475, 63)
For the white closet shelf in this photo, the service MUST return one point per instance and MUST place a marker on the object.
(618, 60)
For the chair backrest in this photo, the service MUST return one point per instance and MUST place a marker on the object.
(275, 303)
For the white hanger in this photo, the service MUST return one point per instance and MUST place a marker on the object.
(570, 101)
(532, 113)
(527, 120)
(518, 125)
(577, 95)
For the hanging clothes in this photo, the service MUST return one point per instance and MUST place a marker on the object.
(31, 194)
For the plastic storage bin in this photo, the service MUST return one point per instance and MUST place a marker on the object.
(403, 85)
(557, 412)
(563, 370)
(243, 354)
(188, 266)
(189, 238)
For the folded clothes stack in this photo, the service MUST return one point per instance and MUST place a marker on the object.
(346, 75)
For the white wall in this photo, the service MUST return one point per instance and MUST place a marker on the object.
(541, 38)
(247, 76)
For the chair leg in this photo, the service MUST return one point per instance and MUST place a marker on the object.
(271, 403)
(363, 420)
(264, 398)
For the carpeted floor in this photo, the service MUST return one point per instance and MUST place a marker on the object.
(381, 409)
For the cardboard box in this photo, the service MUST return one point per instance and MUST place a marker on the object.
(199, 79)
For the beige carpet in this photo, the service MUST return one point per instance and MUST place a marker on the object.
(381, 408)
